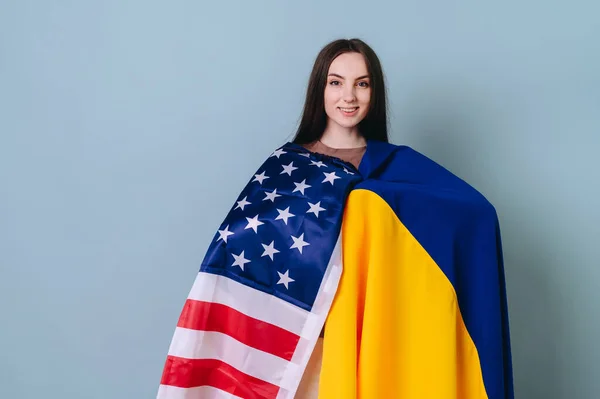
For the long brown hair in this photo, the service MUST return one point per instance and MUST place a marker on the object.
(314, 118)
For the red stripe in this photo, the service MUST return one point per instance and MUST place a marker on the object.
(189, 373)
(208, 316)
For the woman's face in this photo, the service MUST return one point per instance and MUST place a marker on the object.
(348, 90)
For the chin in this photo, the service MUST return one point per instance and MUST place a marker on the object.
(346, 123)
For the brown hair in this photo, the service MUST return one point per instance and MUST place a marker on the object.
(314, 118)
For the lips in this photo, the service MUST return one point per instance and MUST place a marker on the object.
(350, 111)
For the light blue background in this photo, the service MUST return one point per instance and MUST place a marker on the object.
(127, 128)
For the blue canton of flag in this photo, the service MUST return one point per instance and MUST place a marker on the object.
(280, 233)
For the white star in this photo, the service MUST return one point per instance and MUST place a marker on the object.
(348, 172)
(285, 279)
(240, 260)
(278, 153)
(223, 234)
(299, 243)
(242, 203)
(301, 186)
(284, 214)
(288, 169)
(305, 154)
(330, 177)
(269, 250)
(260, 178)
(271, 196)
(317, 164)
(315, 208)
(253, 223)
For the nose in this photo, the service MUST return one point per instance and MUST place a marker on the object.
(349, 95)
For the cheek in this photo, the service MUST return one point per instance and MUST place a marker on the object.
(330, 97)
(365, 97)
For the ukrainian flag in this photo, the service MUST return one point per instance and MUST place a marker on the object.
(421, 310)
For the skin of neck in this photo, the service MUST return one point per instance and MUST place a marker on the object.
(336, 136)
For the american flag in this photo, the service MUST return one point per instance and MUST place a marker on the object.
(265, 286)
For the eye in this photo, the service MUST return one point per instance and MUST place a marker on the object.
(334, 82)
(363, 84)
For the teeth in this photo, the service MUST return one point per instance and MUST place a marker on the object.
(349, 109)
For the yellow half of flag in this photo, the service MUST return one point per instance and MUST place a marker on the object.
(395, 329)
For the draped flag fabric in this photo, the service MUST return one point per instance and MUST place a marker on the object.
(401, 257)
(421, 308)
(266, 284)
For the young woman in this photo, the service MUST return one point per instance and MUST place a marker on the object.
(348, 267)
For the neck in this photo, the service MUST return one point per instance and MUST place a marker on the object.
(341, 137)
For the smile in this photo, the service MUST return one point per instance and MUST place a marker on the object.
(349, 111)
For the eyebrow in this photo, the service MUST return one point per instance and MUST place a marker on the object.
(341, 77)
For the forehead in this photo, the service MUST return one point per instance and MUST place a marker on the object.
(349, 65)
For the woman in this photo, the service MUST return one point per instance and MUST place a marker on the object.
(401, 257)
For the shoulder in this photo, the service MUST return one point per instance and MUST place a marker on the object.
(400, 167)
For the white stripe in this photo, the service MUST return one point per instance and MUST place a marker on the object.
(211, 287)
(204, 392)
(194, 344)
